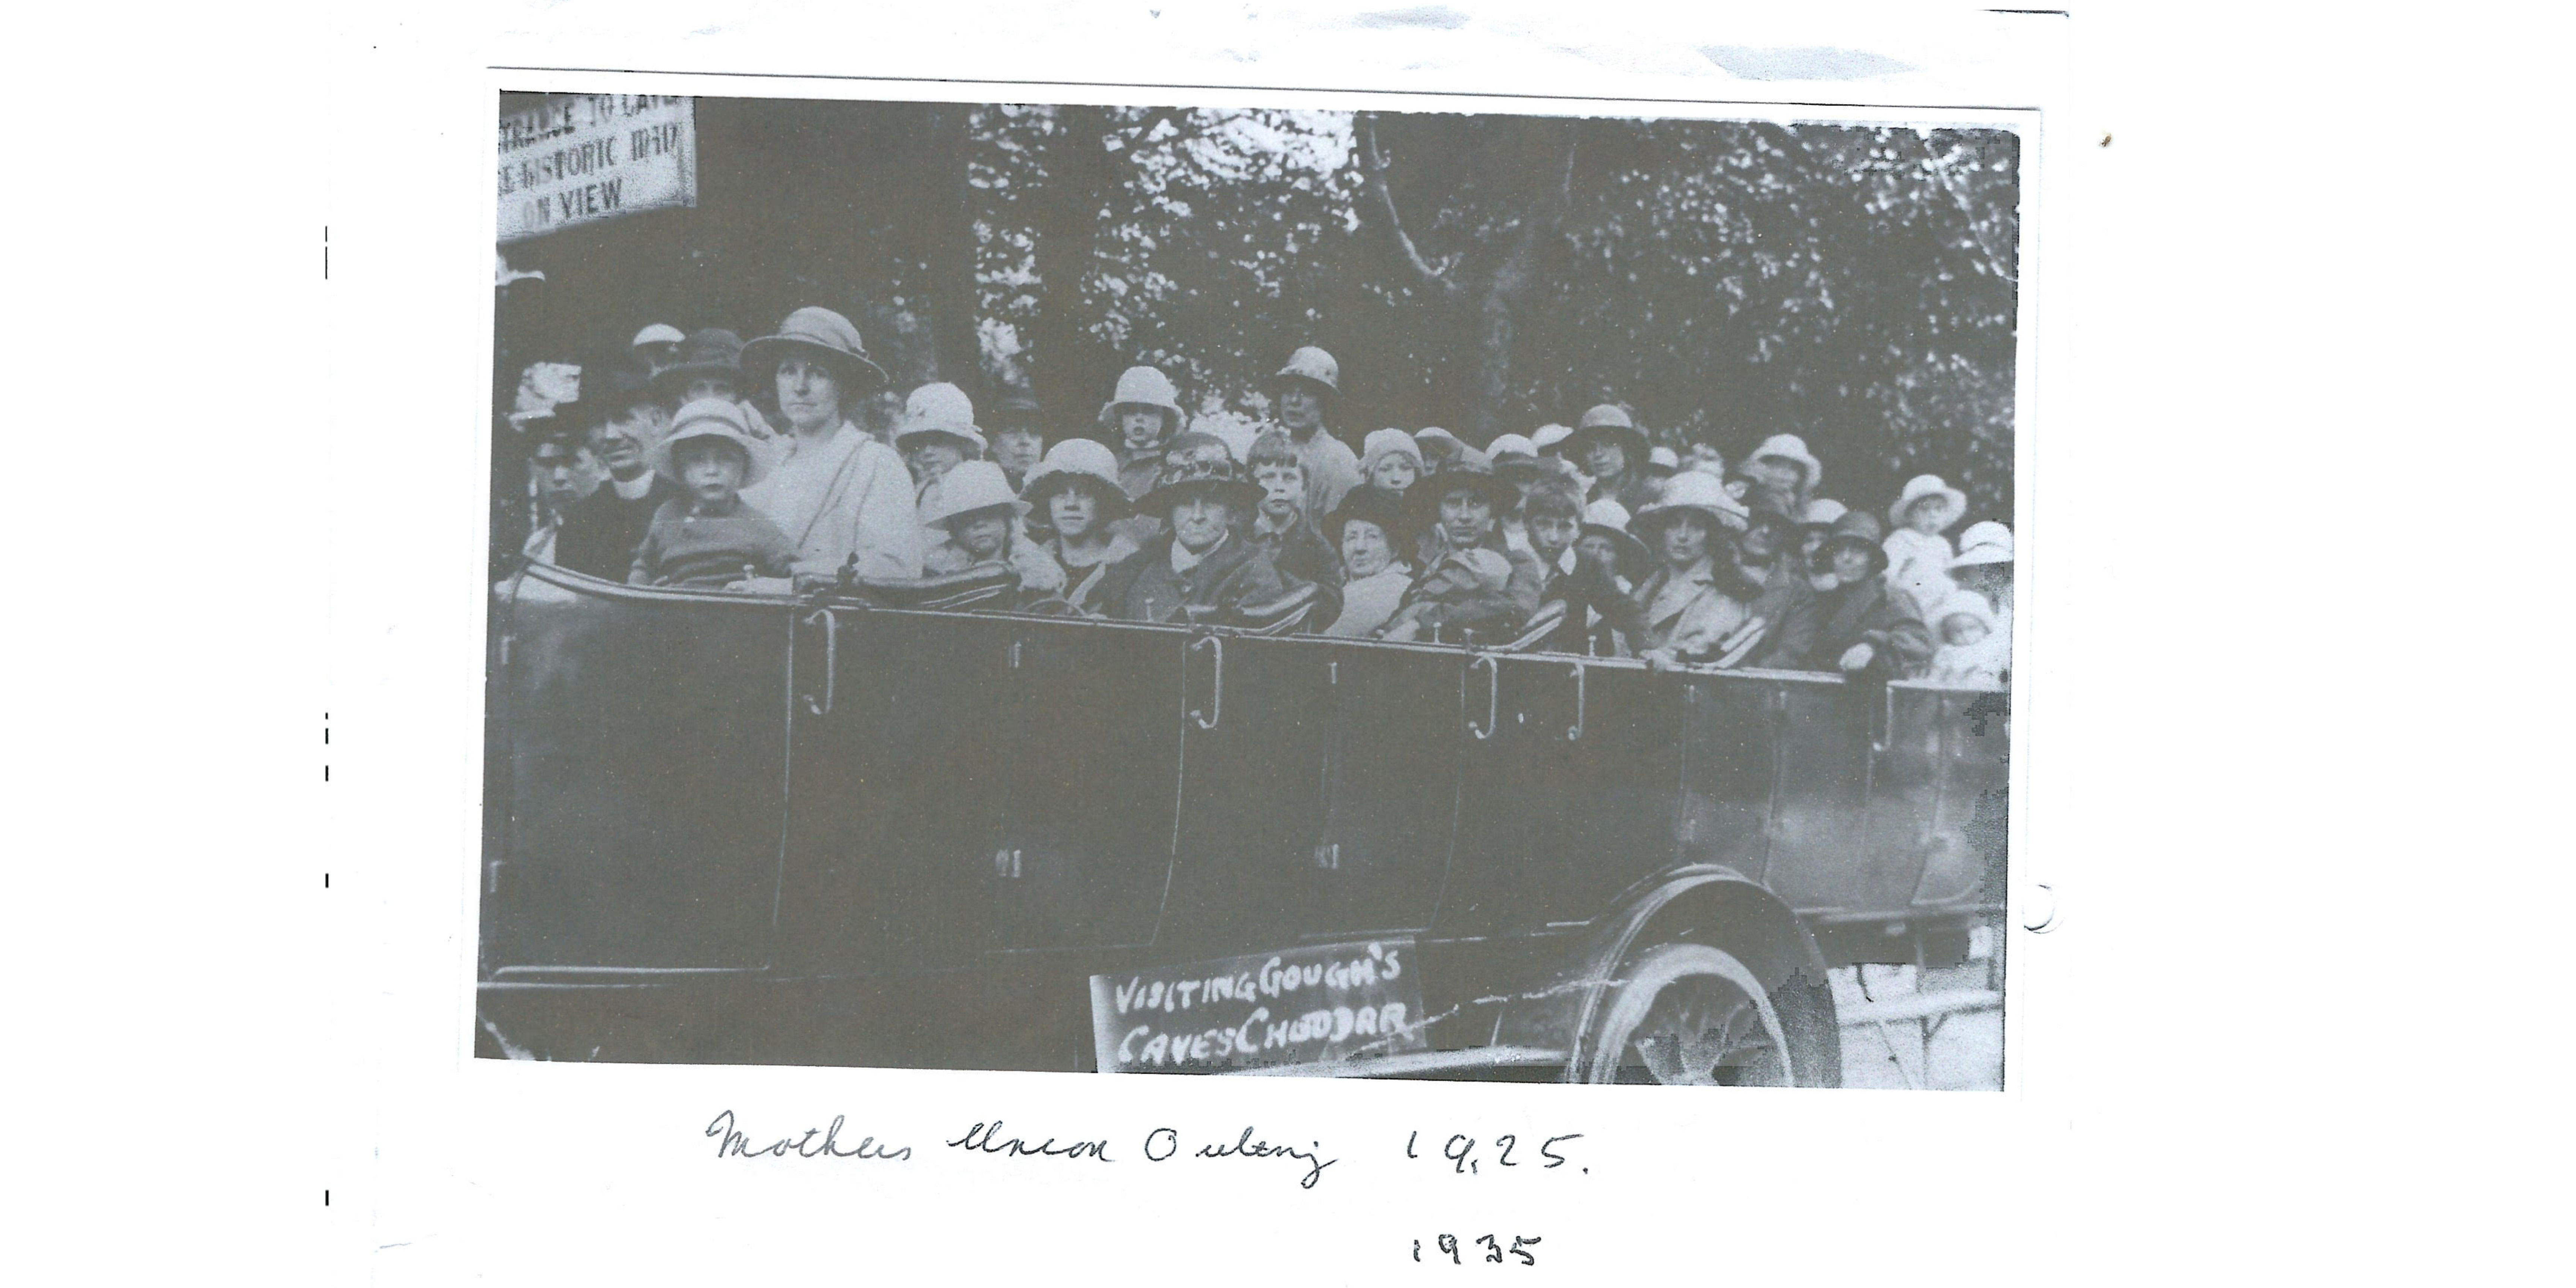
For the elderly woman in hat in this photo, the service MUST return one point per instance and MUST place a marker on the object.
(1780, 475)
(843, 497)
(1464, 506)
(1075, 501)
(1200, 567)
(1301, 395)
(1864, 626)
(1692, 607)
(1375, 539)
(1608, 446)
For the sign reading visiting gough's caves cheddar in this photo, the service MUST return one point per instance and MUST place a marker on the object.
(1296, 1006)
(577, 159)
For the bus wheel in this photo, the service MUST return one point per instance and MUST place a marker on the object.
(1695, 1015)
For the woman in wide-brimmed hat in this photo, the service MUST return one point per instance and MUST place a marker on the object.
(1075, 503)
(1781, 474)
(1200, 566)
(1609, 448)
(844, 498)
(1918, 556)
(1691, 606)
(1864, 626)
(1464, 505)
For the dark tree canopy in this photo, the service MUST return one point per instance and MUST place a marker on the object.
(1726, 280)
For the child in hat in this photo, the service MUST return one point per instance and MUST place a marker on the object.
(1019, 437)
(937, 434)
(1279, 526)
(1376, 543)
(707, 536)
(1918, 556)
(980, 522)
(1074, 498)
(1972, 653)
(1390, 459)
(1461, 600)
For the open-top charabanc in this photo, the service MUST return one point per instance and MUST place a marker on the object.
(892, 826)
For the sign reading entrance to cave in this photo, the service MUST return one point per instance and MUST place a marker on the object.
(577, 159)
(1296, 1006)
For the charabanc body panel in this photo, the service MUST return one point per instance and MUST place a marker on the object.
(914, 836)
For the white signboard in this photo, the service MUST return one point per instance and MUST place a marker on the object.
(578, 159)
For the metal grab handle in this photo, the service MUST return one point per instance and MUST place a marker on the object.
(831, 660)
(1493, 687)
(1574, 733)
(1216, 685)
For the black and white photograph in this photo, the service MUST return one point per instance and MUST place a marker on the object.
(1168, 589)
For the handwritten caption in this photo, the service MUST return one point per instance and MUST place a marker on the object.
(1307, 1163)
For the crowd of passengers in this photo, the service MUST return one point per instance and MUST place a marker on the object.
(664, 473)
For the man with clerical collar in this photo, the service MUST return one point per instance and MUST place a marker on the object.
(1201, 567)
(619, 420)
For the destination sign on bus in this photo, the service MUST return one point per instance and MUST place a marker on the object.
(578, 159)
(1295, 1006)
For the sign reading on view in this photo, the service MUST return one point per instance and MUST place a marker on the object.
(582, 158)
(1298, 1006)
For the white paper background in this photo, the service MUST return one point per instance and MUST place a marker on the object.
(2281, 1029)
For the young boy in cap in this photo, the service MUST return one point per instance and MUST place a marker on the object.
(657, 346)
(1302, 394)
(1019, 437)
(1280, 529)
(1864, 626)
(707, 536)
(1459, 601)
(1199, 568)
(978, 519)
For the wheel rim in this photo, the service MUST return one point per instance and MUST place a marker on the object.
(1691, 1015)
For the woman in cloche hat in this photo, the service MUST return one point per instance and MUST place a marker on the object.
(1864, 626)
(843, 497)
(1464, 506)
(1075, 500)
(1608, 446)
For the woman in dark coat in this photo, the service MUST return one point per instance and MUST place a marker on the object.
(1864, 626)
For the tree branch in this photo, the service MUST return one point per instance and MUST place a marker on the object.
(1373, 169)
